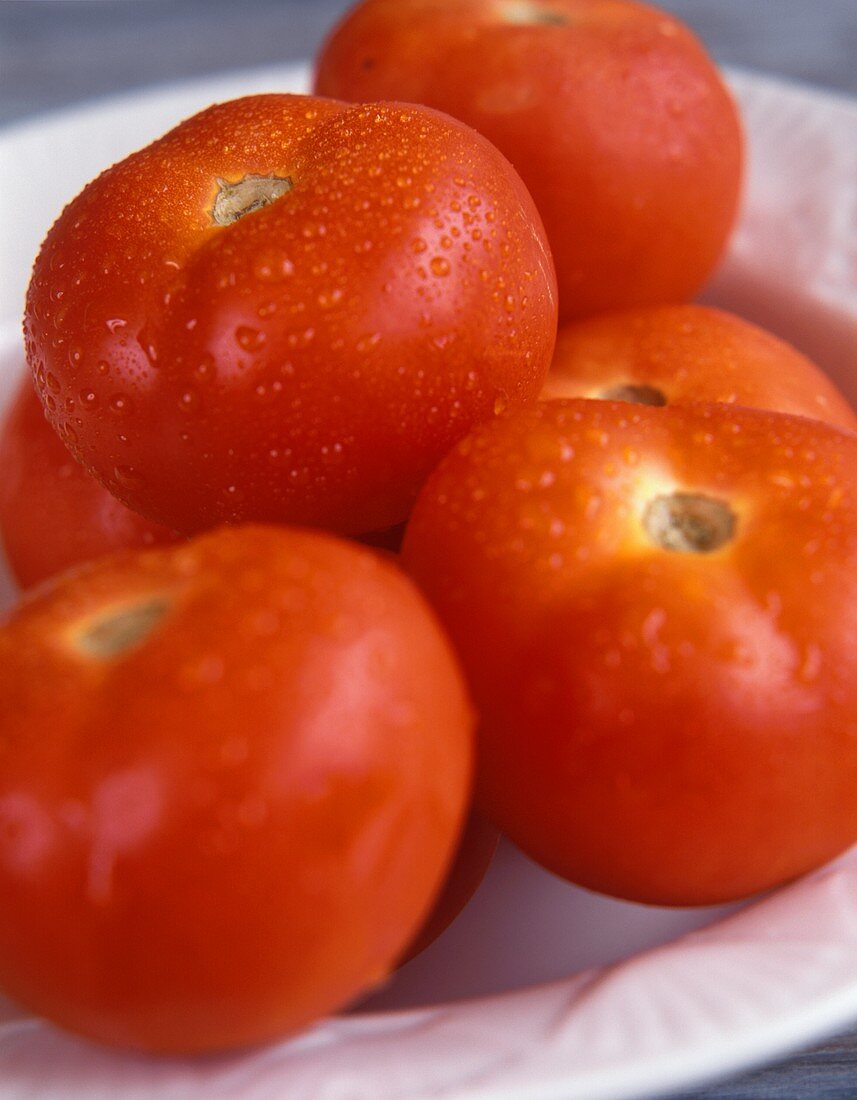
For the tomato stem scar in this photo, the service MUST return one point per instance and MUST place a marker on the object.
(234, 200)
(689, 523)
(114, 632)
(636, 395)
(527, 13)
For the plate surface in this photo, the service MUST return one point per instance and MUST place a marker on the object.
(658, 999)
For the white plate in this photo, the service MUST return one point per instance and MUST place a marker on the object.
(651, 1005)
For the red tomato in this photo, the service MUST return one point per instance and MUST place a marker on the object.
(614, 115)
(300, 344)
(233, 776)
(666, 355)
(475, 852)
(656, 612)
(52, 513)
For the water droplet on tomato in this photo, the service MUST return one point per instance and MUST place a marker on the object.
(128, 476)
(204, 370)
(189, 402)
(273, 268)
(329, 298)
(250, 339)
(332, 454)
(366, 343)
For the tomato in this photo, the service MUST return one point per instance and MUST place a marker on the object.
(655, 608)
(52, 513)
(475, 852)
(616, 118)
(233, 775)
(675, 354)
(288, 309)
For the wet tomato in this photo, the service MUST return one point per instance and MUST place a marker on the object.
(287, 309)
(656, 611)
(52, 513)
(666, 355)
(613, 113)
(233, 774)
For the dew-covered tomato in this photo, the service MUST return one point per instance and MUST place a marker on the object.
(611, 110)
(657, 611)
(666, 355)
(52, 513)
(288, 309)
(233, 774)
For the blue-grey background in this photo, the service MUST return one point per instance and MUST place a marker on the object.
(54, 53)
(57, 52)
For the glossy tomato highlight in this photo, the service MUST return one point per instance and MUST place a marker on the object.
(618, 121)
(655, 608)
(53, 514)
(288, 309)
(234, 774)
(668, 355)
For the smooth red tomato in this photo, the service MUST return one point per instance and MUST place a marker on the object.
(613, 113)
(656, 612)
(475, 852)
(303, 342)
(52, 513)
(233, 776)
(666, 355)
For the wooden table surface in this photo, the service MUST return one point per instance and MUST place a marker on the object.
(54, 53)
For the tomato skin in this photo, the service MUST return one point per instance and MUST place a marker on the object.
(53, 515)
(616, 118)
(669, 727)
(236, 825)
(312, 361)
(692, 353)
